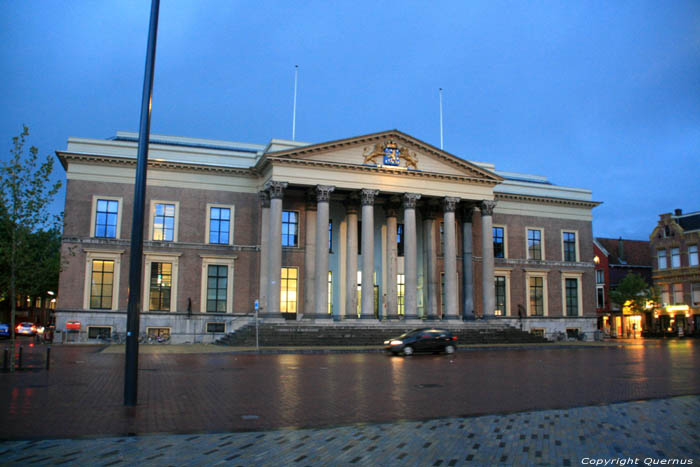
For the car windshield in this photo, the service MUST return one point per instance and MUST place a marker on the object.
(412, 333)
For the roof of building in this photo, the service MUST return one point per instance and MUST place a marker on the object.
(626, 252)
(688, 222)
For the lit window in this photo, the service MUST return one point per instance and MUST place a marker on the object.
(500, 296)
(217, 287)
(164, 222)
(678, 294)
(161, 284)
(219, 225)
(675, 257)
(401, 293)
(288, 290)
(290, 228)
(106, 217)
(534, 244)
(569, 243)
(330, 292)
(102, 284)
(693, 255)
(536, 295)
(661, 255)
(499, 249)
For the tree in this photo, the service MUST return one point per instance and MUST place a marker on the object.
(632, 292)
(25, 194)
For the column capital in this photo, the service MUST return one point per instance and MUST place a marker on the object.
(264, 198)
(487, 207)
(392, 206)
(323, 193)
(449, 203)
(409, 200)
(276, 189)
(367, 196)
(467, 210)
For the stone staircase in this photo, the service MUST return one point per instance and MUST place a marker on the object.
(300, 334)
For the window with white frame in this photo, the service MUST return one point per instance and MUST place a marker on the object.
(600, 276)
(535, 247)
(161, 271)
(164, 216)
(330, 292)
(572, 299)
(217, 284)
(569, 245)
(675, 257)
(401, 293)
(692, 255)
(102, 274)
(106, 217)
(290, 228)
(661, 257)
(219, 224)
(677, 294)
(537, 293)
(501, 303)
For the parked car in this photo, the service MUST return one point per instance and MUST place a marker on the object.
(4, 330)
(25, 329)
(423, 340)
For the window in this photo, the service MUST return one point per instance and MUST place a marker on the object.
(399, 239)
(661, 255)
(600, 296)
(330, 236)
(290, 229)
(106, 218)
(288, 290)
(569, 246)
(330, 292)
(217, 287)
(442, 294)
(219, 225)
(537, 332)
(693, 255)
(401, 293)
(675, 257)
(536, 295)
(695, 290)
(161, 283)
(665, 295)
(158, 333)
(571, 288)
(99, 332)
(164, 222)
(600, 276)
(359, 237)
(534, 244)
(218, 328)
(499, 246)
(677, 294)
(500, 296)
(442, 238)
(359, 293)
(102, 284)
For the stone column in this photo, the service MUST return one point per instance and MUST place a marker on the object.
(276, 192)
(309, 253)
(410, 255)
(488, 285)
(323, 197)
(368, 253)
(392, 305)
(467, 264)
(430, 289)
(264, 247)
(451, 291)
(351, 208)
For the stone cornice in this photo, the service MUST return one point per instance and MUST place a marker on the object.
(545, 200)
(66, 157)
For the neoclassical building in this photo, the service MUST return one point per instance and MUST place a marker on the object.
(372, 229)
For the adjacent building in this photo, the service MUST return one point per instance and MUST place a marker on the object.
(676, 273)
(373, 229)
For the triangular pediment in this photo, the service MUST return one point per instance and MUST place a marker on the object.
(388, 150)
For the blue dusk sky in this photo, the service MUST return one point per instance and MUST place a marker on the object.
(602, 95)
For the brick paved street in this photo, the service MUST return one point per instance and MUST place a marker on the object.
(258, 404)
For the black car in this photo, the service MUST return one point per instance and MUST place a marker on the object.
(423, 340)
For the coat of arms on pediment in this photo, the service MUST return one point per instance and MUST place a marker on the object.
(390, 154)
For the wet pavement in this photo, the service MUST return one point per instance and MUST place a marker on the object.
(249, 406)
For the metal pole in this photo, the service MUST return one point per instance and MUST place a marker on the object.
(136, 260)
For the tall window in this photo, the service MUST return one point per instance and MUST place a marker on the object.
(571, 297)
(290, 228)
(499, 247)
(330, 236)
(599, 276)
(500, 296)
(161, 284)
(661, 255)
(164, 222)
(359, 237)
(569, 241)
(675, 257)
(399, 239)
(219, 225)
(106, 218)
(217, 285)
(665, 295)
(102, 284)
(600, 296)
(534, 244)
(401, 293)
(288, 290)
(693, 255)
(330, 292)
(678, 294)
(536, 285)
(695, 293)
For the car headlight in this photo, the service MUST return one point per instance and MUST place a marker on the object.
(396, 343)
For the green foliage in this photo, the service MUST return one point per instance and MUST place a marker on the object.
(632, 291)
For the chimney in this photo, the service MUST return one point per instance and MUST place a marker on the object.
(678, 212)
(621, 249)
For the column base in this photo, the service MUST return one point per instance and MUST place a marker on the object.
(452, 318)
(350, 317)
(412, 317)
(393, 317)
(368, 317)
(432, 318)
(468, 318)
(309, 316)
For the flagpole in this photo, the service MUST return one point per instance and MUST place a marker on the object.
(294, 114)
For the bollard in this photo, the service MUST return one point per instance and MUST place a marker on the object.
(19, 360)
(6, 363)
(48, 358)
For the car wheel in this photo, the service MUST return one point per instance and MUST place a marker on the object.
(449, 349)
(408, 350)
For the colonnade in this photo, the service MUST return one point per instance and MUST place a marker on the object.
(317, 260)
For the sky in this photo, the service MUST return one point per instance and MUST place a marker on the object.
(592, 94)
